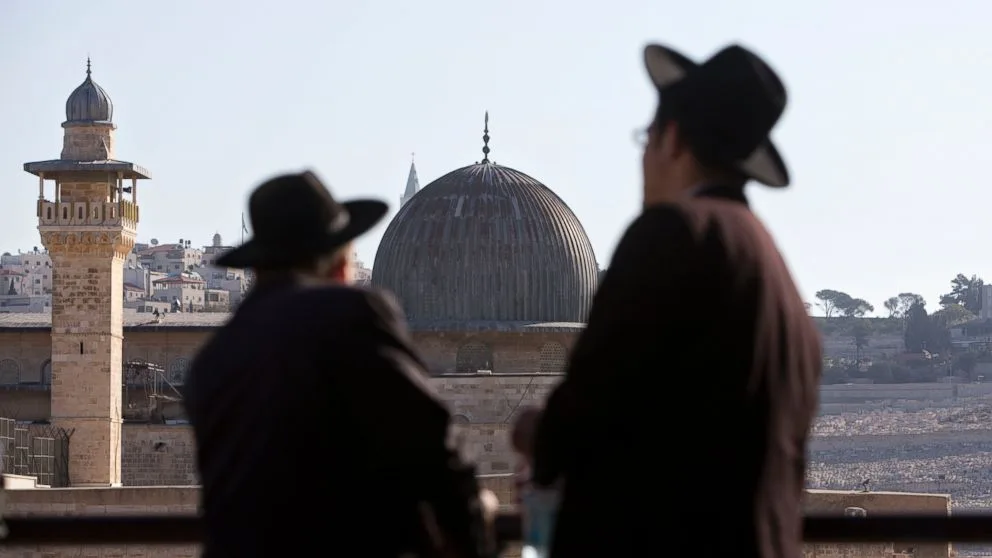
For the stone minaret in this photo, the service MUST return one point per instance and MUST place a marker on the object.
(412, 185)
(88, 218)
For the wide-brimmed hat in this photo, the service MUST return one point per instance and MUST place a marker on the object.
(725, 108)
(295, 219)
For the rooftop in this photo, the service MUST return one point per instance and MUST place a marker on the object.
(133, 321)
(56, 166)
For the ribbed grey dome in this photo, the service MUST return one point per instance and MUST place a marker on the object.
(487, 243)
(89, 102)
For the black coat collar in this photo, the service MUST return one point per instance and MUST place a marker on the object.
(731, 193)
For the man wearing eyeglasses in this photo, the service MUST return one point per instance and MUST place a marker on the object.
(688, 399)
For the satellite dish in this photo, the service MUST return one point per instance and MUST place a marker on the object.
(154, 242)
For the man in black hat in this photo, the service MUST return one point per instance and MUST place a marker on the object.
(684, 413)
(314, 425)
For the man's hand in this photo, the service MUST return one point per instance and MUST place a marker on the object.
(490, 505)
(524, 430)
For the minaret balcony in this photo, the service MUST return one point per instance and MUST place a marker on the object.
(123, 213)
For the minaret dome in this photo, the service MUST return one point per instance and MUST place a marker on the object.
(89, 103)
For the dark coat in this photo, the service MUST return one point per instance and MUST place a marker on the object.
(681, 425)
(315, 429)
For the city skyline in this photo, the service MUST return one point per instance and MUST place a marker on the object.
(214, 115)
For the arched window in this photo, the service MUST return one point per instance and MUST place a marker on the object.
(553, 358)
(10, 372)
(177, 371)
(473, 357)
(46, 373)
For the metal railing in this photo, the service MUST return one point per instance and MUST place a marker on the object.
(37, 450)
(185, 529)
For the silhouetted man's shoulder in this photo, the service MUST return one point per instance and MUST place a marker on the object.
(353, 305)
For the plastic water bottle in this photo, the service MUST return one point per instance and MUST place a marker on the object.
(539, 511)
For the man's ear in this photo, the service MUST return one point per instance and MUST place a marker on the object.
(672, 140)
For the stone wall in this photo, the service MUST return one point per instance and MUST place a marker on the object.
(835, 501)
(164, 455)
(502, 352)
(88, 142)
(158, 455)
(852, 551)
(102, 501)
(87, 339)
(492, 399)
(184, 500)
(482, 407)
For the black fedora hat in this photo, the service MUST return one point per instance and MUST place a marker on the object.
(725, 108)
(294, 219)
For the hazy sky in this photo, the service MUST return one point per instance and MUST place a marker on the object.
(887, 130)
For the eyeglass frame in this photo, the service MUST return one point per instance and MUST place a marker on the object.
(642, 136)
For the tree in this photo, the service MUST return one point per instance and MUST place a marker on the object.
(904, 301)
(834, 302)
(917, 328)
(923, 332)
(854, 307)
(860, 332)
(966, 291)
(907, 300)
(828, 300)
(952, 315)
(892, 305)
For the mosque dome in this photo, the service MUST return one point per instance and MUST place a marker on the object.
(486, 245)
(89, 102)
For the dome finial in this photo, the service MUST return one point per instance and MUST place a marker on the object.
(485, 140)
(88, 71)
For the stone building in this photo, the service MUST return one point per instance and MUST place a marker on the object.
(87, 216)
(485, 229)
(494, 271)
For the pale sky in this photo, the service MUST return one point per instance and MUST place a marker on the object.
(886, 132)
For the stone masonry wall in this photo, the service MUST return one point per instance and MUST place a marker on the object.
(102, 501)
(505, 352)
(492, 399)
(851, 551)
(165, 455)
(94, 142)
(158, 455)
(833, 501)
(184, 500)
(87, 347)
